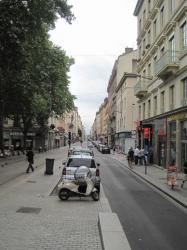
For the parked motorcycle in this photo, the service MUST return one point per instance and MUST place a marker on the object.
(82, 185)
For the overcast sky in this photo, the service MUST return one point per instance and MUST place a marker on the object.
(100, 33)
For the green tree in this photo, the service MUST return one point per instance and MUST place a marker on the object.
(23, 26)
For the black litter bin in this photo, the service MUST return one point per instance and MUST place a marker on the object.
(49, 166)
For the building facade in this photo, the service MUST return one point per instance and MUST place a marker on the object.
(111, 127)
(126, 102)
(162, 88)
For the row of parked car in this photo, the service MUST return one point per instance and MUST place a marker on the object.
(77, 157)
(103, 148)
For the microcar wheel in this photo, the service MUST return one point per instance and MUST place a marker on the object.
(63, 194)
(95, 196)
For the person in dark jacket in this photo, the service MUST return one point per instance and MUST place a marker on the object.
(130, 157)
(185, 174)
(30, 158)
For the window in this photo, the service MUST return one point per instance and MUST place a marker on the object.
(155, 105)
(184, 83)
(162, 17)
(140, 51)
(155, 28)
(143, 47)
(143, 110)
(184, 35)
(139, 112)
(162, 102)
(149, 37)
(172, 5)
(140, 25)
(149, 6)
(144, 73)
(155, 59)
(172, 48)
(171, 97)
(149, 70)
(149, 108)
(144, 16)
(162, 51)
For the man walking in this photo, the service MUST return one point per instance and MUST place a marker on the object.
(185, 174)
(30, 158)
(136, 153)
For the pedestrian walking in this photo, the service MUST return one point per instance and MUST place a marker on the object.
(185, 174)
(130, 157)
(114, 149)
(69, 143)
(141, 156)
(30, 158)
(144, 155)
(136, 153)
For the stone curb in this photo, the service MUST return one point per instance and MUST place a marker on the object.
(111, 232)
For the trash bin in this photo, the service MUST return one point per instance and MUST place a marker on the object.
(49, 166)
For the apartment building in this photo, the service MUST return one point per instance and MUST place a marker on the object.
(162, 88)
(126, 102)
(112, 106)
(99, 128)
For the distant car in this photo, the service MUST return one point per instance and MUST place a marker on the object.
(104, 149)
(75, 161)
(81, 151)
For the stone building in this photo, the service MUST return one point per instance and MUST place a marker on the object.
(162, 88)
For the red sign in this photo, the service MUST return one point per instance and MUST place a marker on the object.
(146, 132)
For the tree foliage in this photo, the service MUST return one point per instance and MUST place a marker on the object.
(34, 79)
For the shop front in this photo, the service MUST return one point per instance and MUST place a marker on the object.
(183, 142)
(177, 139)
(160, 145)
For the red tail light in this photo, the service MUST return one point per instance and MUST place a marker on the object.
(97, 172)
(64, 171)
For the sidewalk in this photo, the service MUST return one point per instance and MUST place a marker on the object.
(31, 218)
(158, 178)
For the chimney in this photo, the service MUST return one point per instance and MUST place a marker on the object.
(128, 50)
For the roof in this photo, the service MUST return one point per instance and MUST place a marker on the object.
(138, 6)
(81, 157)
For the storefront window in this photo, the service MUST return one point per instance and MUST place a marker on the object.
(184, 131)
(184, 142)
(173, 141)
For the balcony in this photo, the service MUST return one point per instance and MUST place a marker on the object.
(167, 65)
(140, 89)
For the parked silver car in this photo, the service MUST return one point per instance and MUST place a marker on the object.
(75, 161)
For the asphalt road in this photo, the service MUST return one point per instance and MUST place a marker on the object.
(150, 220)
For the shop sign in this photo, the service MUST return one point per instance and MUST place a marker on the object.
(179, 116)
(30, 134)
(16, 133)
(146, 132)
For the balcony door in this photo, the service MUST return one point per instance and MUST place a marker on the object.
(172, 49)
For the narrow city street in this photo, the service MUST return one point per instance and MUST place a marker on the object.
(150, 220)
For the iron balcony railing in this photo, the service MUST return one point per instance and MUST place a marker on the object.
(169, 58)
(140, 88)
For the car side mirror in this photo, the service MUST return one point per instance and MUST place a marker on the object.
(98, 164)
(64, 163)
